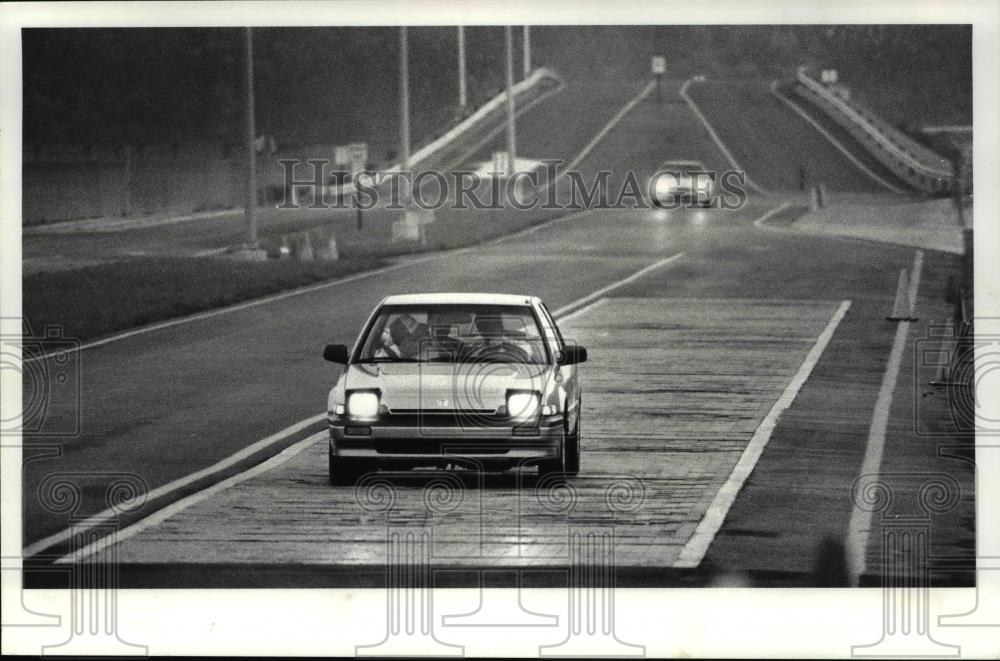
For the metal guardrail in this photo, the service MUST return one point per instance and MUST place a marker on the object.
(893, 149)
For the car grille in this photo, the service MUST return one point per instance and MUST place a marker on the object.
(460, 419)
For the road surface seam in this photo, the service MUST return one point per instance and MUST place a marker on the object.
(614, 285)
(180, 483)
(859, 526)
(575, 307)
(697, 545)
(715, 137)
(164, 513)
(833, 141)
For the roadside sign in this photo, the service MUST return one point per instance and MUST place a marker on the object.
(341, 155)
(659, 65)
(828, 76)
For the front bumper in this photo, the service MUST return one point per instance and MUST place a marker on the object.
(420, 439)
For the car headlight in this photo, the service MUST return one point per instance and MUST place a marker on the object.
(665, 184)
(362, 404)
(523, 405)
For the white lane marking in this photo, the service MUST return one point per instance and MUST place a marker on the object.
(614, 285)
(610, 125)
(859, 526)
(577, 306)
(241, 306)
(697, 545)
(180, 483)
(769, 214)
(161, 515)
(715, 137)
(580, 310)
(911, 293)
(833, 141)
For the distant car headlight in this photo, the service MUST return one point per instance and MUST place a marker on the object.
(665, 184)
(362, 404)
(523, 405)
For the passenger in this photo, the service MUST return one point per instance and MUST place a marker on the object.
(491, 332)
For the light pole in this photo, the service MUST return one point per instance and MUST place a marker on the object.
(511, 142)
(527, 51)
(462, 101)
(251, 192)
(404, 101)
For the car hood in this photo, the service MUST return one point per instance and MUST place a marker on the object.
(445, 386)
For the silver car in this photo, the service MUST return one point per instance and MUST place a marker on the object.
(679, 181)
(464, 380)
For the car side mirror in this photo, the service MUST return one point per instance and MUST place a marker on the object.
(573, 354)
(335, 353)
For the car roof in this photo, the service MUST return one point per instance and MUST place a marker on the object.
(454, 298)
(681, 161)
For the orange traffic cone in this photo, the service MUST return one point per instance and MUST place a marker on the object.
(902, 307)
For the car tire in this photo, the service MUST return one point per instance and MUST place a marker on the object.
(555, 466)
(551, 467)
(346, 473)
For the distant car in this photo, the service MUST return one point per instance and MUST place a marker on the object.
(679, 180)
(471, 380)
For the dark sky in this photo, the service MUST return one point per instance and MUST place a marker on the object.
(117, 86)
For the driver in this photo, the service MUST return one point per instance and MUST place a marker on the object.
(402, 338)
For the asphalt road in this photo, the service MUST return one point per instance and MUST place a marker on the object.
(687, 361)
(157, 406)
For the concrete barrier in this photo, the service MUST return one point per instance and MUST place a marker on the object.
(493, 105)
(913, 163)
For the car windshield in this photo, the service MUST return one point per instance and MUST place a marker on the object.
(454, 333)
